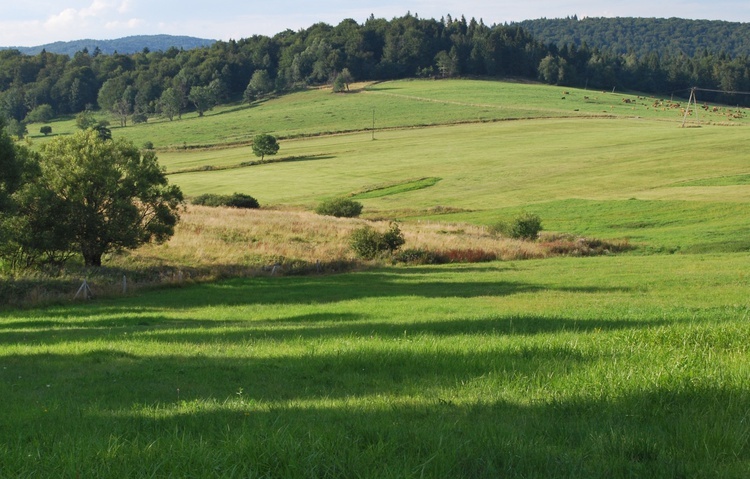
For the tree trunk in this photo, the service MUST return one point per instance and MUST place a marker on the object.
(92, 256)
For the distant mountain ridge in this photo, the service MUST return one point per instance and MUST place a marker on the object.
(125, 45)
(642, 36)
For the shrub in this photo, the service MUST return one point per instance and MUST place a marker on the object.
(340, 208)
(240, 200)
(148, 145)
(368, 243)
(524, 226)
(237, 200)
(41, 114)
(45, 130)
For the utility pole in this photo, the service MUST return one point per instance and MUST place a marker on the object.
(695, 106)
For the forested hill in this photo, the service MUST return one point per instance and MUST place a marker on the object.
(125, 46)
(135, 86)
(670, 36)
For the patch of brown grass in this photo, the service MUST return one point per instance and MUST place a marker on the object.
(230, 241)
(214, 243)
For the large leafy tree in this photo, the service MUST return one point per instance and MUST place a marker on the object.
(114, 196)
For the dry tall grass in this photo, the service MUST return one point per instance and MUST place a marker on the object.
(213, 243)
(239, 240)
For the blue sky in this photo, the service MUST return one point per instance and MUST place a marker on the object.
(36, 22)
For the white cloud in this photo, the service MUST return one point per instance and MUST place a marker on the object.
(96, 9)
(62, 19)
(126, 6)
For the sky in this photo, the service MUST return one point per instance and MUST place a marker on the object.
(36, 22)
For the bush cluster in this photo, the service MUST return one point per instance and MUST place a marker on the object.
(368, 243)
(340, 208)
(526, 226)
(237, 200)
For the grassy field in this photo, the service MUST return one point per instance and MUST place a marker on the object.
(599, 367)
(629, 365)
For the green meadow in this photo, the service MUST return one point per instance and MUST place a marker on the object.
(618, 366)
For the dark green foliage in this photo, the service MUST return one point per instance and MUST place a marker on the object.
(643, 36)
(260, 84)
(265, 145)
(85, 120)
(368, 243)
(139, 117)
(237, 200)
(649, 55)
(525, 226)
(41, 114)
(112, 196)
(16, 128)
(203, 97)
(45, 130)
(340, 208)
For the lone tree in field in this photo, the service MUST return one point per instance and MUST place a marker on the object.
(265, 145)
(116, 195)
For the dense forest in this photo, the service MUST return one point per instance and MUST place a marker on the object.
(136, 86)
(642, 36)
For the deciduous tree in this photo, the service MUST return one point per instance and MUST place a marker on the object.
(116, 196)
(203, 98)
(265, 145)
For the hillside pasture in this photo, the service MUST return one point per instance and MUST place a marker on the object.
(606, 178)
(616, 366)
(397, 104)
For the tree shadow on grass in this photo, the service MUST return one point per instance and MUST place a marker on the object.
(315, 326)
(302, 290)
(398, 413)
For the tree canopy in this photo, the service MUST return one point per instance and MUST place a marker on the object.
(117, 196)
(265, 145)
(85, 194)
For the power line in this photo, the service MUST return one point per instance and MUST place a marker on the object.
(721, 91)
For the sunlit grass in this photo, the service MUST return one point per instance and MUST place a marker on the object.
(635, 365)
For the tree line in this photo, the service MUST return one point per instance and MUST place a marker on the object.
(169, 83)
(642, 36)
